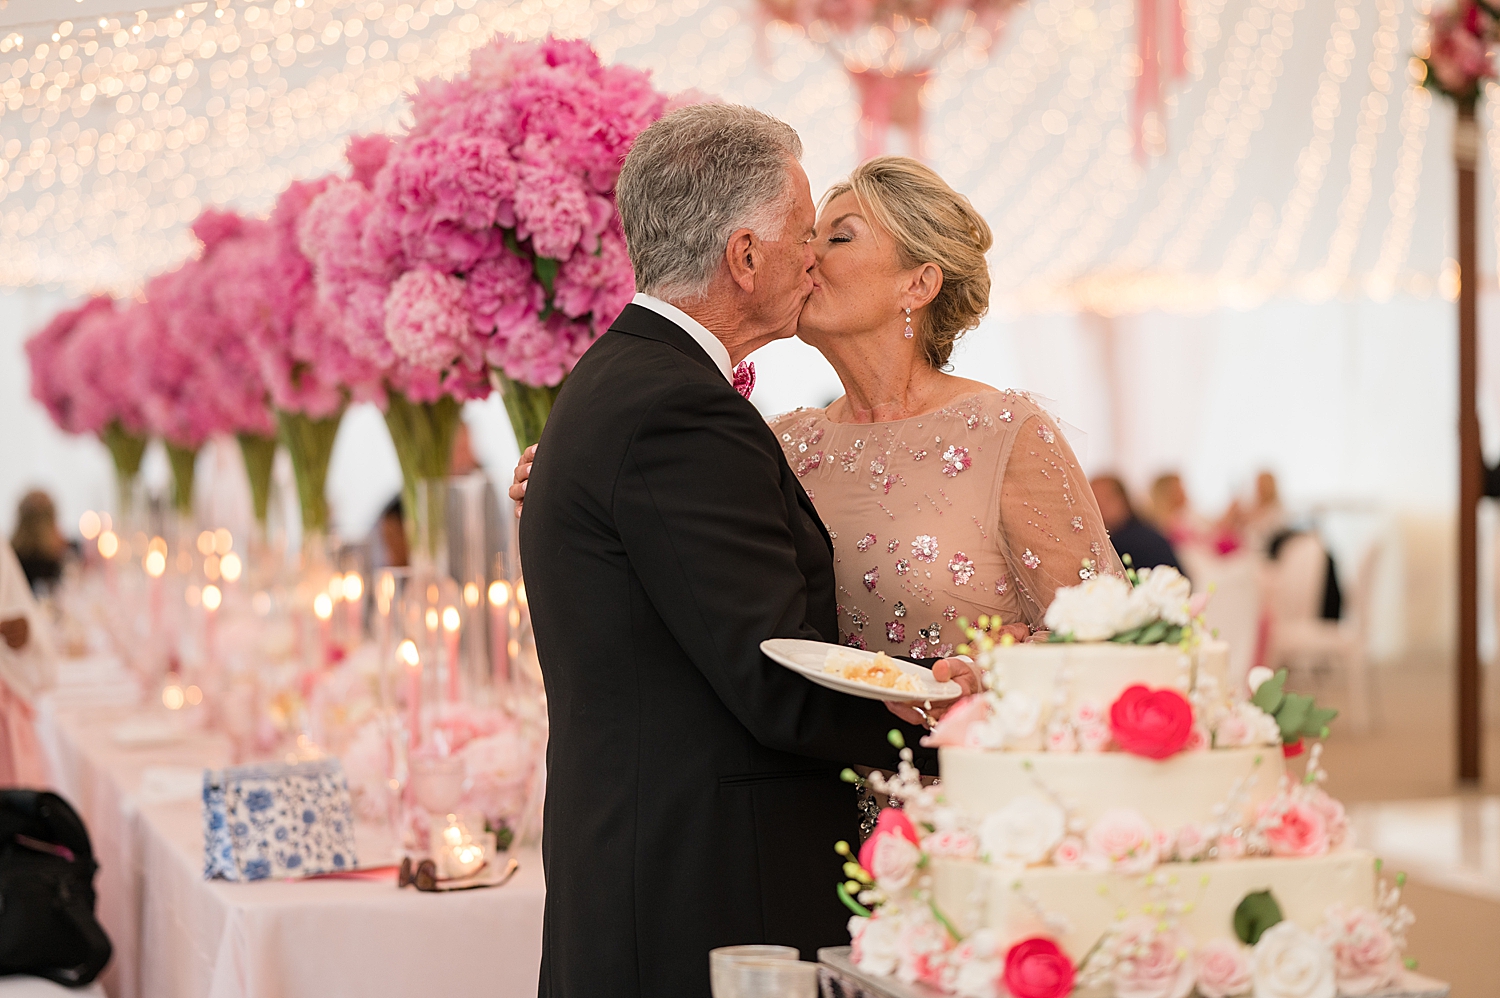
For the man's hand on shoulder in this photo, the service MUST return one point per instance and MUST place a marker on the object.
(517, 490)
(961, 670)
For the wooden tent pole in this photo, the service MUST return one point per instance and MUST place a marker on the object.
(1470, 460)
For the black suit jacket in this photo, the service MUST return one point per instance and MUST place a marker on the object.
(693, 797)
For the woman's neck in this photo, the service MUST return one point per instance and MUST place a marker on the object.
(881, 386)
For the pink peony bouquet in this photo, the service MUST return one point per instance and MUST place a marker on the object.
(488, 238)
(1459, 57)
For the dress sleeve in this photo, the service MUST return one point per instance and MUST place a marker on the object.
(701, 511)
(1051, 533)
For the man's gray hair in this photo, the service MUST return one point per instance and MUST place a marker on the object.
(690, 181)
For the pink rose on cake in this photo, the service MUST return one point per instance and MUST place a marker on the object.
(953, 730)
(1223, 967)
(1192, 842)
(1151, 960)
(891, 853)
(1088, 712)
(1068, 853)
(1121, 839)
(1152, 723)
(1198, 739)
(1293, 828)
(1094, 737)
(1060, 738)
(1292, 963)
(1038, 968)
(1231, 846)
(951, 844)
(1365, 956)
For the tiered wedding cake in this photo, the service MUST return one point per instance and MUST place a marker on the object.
(1114, 817)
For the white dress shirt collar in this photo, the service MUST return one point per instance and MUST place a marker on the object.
(710, 343)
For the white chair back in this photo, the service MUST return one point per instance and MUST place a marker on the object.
(1297, 579)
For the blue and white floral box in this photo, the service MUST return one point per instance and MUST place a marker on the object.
(283, 820)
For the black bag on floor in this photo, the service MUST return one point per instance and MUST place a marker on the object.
(47, 924)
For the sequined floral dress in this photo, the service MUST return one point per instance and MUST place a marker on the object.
(977, 508)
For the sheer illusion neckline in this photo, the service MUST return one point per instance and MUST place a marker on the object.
(946, 407)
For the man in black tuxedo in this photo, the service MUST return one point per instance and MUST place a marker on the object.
(693, 795)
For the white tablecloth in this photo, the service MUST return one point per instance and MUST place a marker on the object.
(178, 936)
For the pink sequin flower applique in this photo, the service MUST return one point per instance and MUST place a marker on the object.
(1030, 560)
(925, 548)
(1001, 585)
(902, 566)
(865, 542)
(1046, 434)
(962, 567)
(872, 579)
(956, 459)
(895, 631)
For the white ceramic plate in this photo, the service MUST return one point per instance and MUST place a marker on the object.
(809, 657)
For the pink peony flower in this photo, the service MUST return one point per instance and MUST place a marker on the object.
(1365, 955)
(1152, 960)
(1121, 839)
(426, 319)
(1293, 828)
(1334, 819)
(1223, 969)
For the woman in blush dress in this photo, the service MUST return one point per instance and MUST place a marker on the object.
(945, 498)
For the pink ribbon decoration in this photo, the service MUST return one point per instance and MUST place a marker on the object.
(744, 378)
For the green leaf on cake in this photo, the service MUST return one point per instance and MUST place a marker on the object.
(1269, 695)
(1256, 913)
(1292, 715)
(1316, 725)
(1153, 633)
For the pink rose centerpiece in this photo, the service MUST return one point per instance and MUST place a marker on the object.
(1458, 59)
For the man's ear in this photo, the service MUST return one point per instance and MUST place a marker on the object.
(742, 254)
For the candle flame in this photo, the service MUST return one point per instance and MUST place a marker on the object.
(354, 587)
(206, 543)
(212, 597)
(407, 652)
(323, 606)
(471, 594)
(89, 525)
(172, 697)
(450, 619)
(499, 593)
(223, 541)
(230, 567)
(430, 618)
(109, 544)
(156, 563)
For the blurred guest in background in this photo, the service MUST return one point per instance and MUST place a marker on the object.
(1266, 516)
(388, 547)
(38, 544)
(1170, 511)
(1146, 546)
(27, 667)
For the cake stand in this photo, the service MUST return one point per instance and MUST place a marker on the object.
(839, 978)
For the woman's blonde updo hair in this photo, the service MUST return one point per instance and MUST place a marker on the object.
(931, 223)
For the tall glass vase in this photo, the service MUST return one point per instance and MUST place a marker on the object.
(184, 461)
(527, 406)
(422, 433)
(259, 453)
(125, 450)
(309, 442)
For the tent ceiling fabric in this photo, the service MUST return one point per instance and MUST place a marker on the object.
(1297, 163)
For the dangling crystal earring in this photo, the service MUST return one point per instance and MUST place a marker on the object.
(908, 333)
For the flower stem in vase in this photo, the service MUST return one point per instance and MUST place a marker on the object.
(309, 442)
(422, 433)
(184, 462)
(126, 450)
(260, 456)
(527, 406)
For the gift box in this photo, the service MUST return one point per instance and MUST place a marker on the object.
(285, 820)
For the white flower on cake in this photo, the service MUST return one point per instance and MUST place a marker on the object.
(951, 845)
(1151, 959)
(1121, 839)
(876, 943)
(1022, 832)
(1223, 967)
(1162, 594)
(924, 949)
(977, 967)
(1365, 956)
(1244, 725)
(1094, 737)
(1020, 713)
(1088, 712)
(1096, 610)
(895, 862)
(1060, 738)
(1291, 962)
